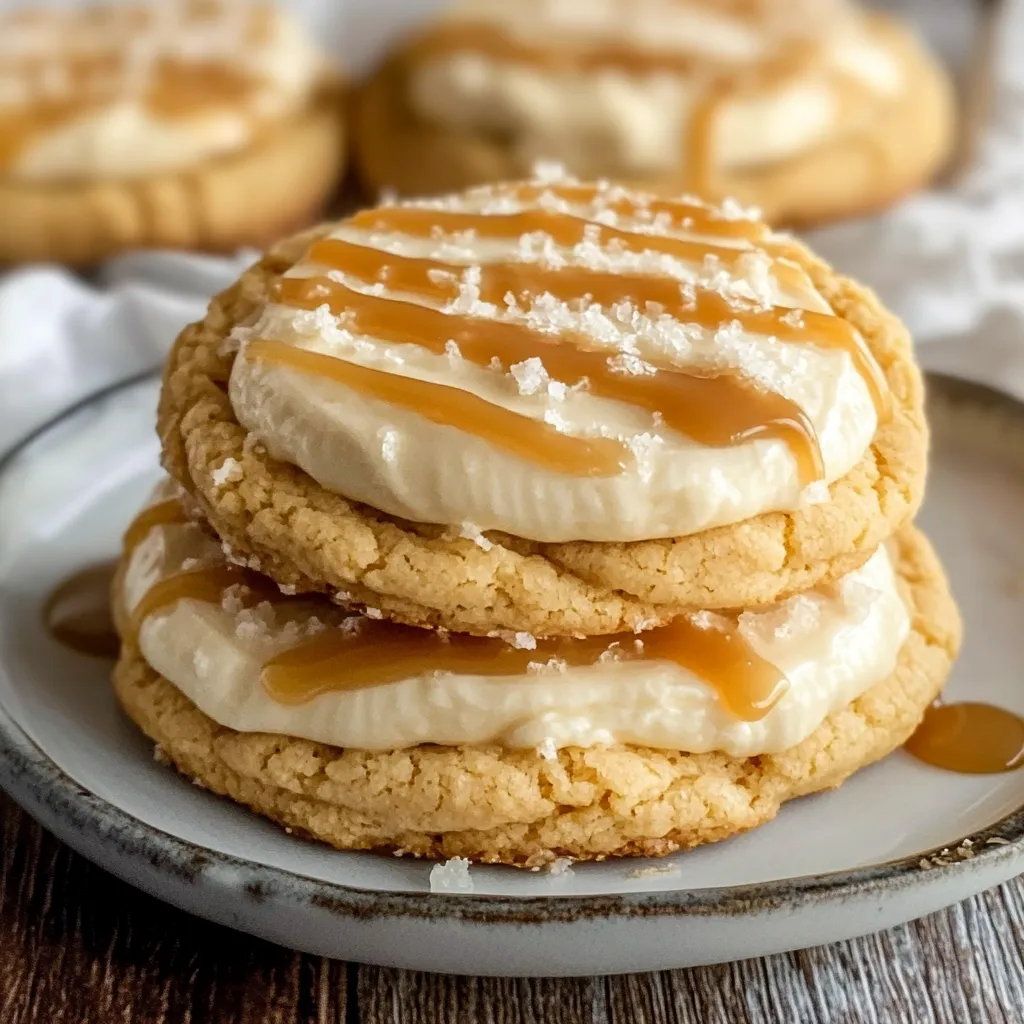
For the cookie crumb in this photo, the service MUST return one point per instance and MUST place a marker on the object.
(656, 871)
(451, 876)
(997, 841)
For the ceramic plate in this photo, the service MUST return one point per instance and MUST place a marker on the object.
(829, 867)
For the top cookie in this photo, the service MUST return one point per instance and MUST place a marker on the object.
(808, 109)
(547, 407)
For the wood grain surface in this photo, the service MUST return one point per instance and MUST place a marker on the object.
(77, 946)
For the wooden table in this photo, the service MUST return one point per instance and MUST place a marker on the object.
(77, 946)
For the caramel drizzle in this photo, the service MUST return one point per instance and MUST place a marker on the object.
(715, 409)
(436, 280)
(720, 410)
(378, 653)
(570, 230)
(162, 513)
(492, 41)
(565, 229)
(687, 216)
(206, 584)
(450, 407)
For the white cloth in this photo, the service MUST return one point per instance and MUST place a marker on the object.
(950, 262)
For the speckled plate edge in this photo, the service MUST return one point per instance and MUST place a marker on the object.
(136, 849)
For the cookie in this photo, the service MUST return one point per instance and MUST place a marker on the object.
(248, 198)
(166, 124)
(278, 520)
(516, 807)
(897, 149)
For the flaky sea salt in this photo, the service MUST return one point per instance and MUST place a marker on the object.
(228, 471)
(815, 493)
(470, 531)
(547, 749)
(560, 867)
(389, 441)
(451, 876)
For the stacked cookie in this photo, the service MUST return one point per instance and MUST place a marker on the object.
(544, 520)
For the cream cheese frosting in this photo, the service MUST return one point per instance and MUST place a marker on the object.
(630, 120)
(400, 461)
(831, 645)
(127, 91)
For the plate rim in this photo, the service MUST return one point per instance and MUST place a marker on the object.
(44, 790)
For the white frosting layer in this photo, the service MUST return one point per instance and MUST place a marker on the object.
(116, 133)
(611, 121)
(831, 648)
(396, 460)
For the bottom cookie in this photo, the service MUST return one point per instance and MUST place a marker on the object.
(496, 805)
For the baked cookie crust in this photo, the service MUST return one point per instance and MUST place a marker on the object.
(516, 807)
(279, 521)
(907, 143)
(251, 197)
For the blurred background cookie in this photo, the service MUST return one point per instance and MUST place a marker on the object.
(810, 109)
(196, 124)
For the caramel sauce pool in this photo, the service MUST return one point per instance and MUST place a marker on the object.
(77, 613)
(971, 738)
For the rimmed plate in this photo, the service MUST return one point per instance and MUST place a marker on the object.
(866, 856)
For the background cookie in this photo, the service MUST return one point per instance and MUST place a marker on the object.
(906, 143)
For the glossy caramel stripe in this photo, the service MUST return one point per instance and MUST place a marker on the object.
(569, 230)
(161, 513)
(721, 410)
(436, 280)
(526, 438)
(693, 217)
(205, 584)
(379, 653)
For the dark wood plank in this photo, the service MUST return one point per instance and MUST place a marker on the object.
(80, 947)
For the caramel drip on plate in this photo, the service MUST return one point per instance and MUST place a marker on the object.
(162, 513)
(377, 653)
(77, 614)
(972, 738)
(206, 584)
(436, 280)
(724, 409)
(526, 438)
